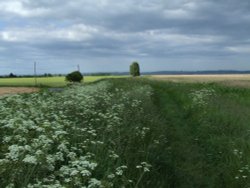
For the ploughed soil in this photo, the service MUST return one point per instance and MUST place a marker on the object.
(17, 90)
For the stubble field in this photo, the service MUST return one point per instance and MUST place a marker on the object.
(238, 80)
(16, 90)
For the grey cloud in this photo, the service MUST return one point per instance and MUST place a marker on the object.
(156, 31)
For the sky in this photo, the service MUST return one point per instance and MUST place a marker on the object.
(107, 35)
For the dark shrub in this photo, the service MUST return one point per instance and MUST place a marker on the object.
(75, 76)
(11, 75)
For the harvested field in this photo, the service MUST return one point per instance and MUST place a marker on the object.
(16, 90)
(238, 80)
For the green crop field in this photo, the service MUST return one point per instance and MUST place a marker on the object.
(131, 132)
(47, 81)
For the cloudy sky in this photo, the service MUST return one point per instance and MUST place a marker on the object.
(107, 35)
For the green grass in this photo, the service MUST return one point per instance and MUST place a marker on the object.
(204, 138)
(47, 81)
(207, 140)
(192, 135)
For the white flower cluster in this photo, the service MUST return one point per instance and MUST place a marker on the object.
(144, 166)
(55, 139)
(200, 97)
(142, 131)
(244, 171)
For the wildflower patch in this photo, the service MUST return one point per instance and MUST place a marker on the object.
(75, 138)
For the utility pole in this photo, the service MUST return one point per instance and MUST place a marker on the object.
(35, 75)
(78, 68)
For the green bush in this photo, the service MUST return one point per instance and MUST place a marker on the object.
(135, 69)
(75, 76)
(11, 75)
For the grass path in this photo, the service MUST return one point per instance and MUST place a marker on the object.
(205, 140)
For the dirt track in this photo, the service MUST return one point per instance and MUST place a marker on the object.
(15, 90)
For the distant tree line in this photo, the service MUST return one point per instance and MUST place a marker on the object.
(12, 75)
(77, 76)
(99, 74)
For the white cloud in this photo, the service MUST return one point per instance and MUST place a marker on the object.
(168, 36)
(15, 7)
(180, 39)
(177, 14)
(79, 32)
(239, 49)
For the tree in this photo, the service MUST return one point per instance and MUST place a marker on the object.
(135, 69)
(11, 75)
(75, 76)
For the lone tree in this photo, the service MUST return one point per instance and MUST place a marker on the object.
(75, 76)
(135, 69)
(11, 75)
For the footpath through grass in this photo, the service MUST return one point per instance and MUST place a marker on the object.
(127, 132)
(208, 132)
(203, 132)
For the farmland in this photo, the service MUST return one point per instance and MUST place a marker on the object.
(238, 80)
(127, 133)
(16, 90)
(46, 81)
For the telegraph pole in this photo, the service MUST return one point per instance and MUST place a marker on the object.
(78, 68)
(35, 75)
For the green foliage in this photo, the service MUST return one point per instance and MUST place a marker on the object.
(11, 75)
(124, 133)
(48, 75)
(75, 76)
(135, 69)
(84, 136)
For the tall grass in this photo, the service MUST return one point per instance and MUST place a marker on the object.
(127, 133)
(208, 132)
(91, 136)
